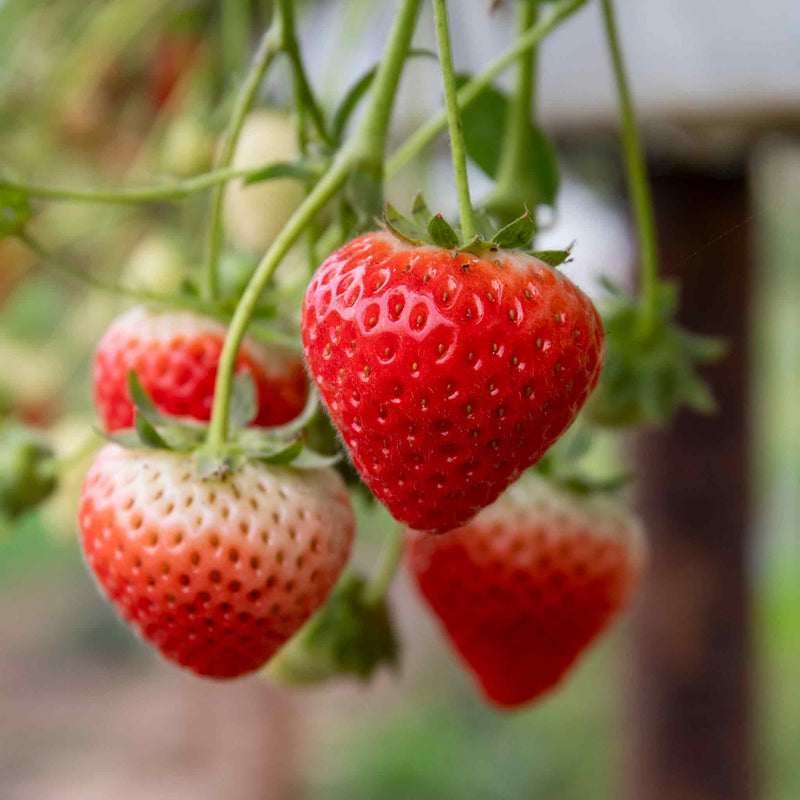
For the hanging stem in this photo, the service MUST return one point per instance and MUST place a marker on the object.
(268, 48)
(636, 172)
(366, 147)
(470, 92)
(389, 559)
(515, 153)
(133, 195)
(454, 120)
(307, 102)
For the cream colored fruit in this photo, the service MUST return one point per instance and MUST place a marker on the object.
(254, 215)
(157, 264)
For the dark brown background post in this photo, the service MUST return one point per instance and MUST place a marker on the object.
(690, 690)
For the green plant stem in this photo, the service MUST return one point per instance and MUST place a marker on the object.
(366, 147)
(515, 152)
(389, 559)
(307, 100)
(636, 172)
(174, 301)
(468, 93)
(235, 32)
(268, 48)
(457, 147)
(133, 195)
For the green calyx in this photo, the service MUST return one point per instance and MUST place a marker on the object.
(26, 470)
(425, 228)
(351, 634)
(283, 445)
(651, 370)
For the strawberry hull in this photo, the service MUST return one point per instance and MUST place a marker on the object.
(447, 374)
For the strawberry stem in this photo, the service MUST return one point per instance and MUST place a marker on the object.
(515, 152)
(388, 561)
(365, 148)
(457, 147)
(470, 92)
(636, 172)
(270, 45)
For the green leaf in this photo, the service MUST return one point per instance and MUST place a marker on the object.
(420, 213)
(517, 234)
(311, 459)
(141, 400)
(483, 121)
(348, 636)
(442, 233)
(281, 456)
(356, 92)
(15, 211)
(209, 465)
(284, 169)
(243, 407)
(553, 258)
(148, 435)
(401, 227)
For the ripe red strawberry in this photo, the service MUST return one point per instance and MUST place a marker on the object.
(175, 356)
(217, 573)
(447, 374)
(528, 584)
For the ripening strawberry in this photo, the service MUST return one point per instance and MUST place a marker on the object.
(447, 374)
(175, 356)
(528, 584)
(217, 573)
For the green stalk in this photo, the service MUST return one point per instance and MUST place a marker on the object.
(636, 172)
(468, 93)
(235, 32)
(366, 147)
(268, 48)
(308, 102)
(388, 561)
(132, 195)
(458, 150)
(173, 301)
(515, 152)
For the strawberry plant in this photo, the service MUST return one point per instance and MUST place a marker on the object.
(434, 366)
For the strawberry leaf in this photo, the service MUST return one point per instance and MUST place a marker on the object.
(281, 456)
(420, 212)
(243, 407)
(401, 227)
(553, 258)
(442, 233)
(148, 435)
(517, 234)
(141, 400)
(348, 635)
(311, 459)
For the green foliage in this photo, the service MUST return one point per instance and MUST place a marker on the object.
(539, 177)
(351, 634)
(650, 374)
(26, 477)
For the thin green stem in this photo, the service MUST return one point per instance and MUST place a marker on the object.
(268, 48)
(457, 148)
(133, 195)
(365, 147)
(389, 560)
(308, 101)
(174, 301)
(235, 31)
(636, 172)
(515, 154)
(470, 92)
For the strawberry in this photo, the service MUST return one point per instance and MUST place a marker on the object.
(216, 572)
(528, 584)
(447, 373)
(175, 354)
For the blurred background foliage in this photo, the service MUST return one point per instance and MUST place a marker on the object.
(96, 92)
